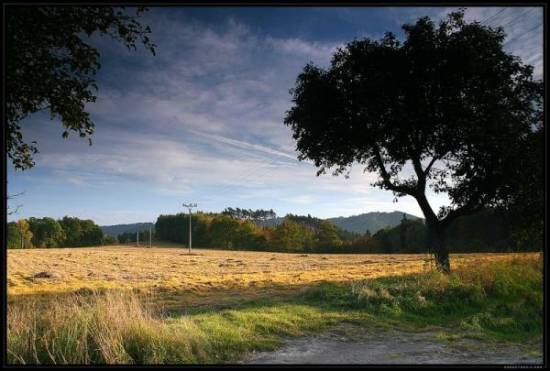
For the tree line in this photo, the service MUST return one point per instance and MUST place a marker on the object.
(490, 230)
(235, 229)
(48, 232)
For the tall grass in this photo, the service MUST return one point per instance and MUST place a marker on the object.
(119, 328)
(499, 300)
(112, 328)
(491, 300)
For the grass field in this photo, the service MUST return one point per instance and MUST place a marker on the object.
(185, 279)
(162, 305)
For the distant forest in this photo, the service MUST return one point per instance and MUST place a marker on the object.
(487, 231)
(48, 232)
(241, 229)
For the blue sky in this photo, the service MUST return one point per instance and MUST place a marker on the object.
(202, 121)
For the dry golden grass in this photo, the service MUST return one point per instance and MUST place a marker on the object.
(200, 278)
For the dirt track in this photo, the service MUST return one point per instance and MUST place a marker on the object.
(351, 344)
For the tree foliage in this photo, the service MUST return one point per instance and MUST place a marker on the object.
(447, 105)
(19, 235)
(257, 216)
(50, 65)
(48, 232)
(524, 209)
(80, 232)
(328, 236)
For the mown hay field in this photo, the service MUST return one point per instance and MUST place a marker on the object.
(121, 305)
(205, 276)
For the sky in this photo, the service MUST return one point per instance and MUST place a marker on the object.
(202, 121)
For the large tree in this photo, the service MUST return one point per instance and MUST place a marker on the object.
(447, 108)
(50, 65)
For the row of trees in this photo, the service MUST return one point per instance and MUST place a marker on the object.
(487, 230)
(227, 231)
(47, 232)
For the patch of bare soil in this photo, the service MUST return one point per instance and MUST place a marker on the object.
(352, 344)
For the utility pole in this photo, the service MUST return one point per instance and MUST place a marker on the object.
(137, 238)
(189, 206)
(150, 236)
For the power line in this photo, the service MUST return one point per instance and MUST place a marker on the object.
(491, 17)
(490, 21)
(518, 18)
(523, 34)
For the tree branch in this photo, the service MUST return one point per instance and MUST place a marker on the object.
(429, 167)
(467, 209)
(386, 178)
(420, 174)
(15, 195)
(11, 212)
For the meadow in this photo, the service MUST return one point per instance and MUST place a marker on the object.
(162, 305)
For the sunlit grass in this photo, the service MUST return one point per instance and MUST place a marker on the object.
(183, 279)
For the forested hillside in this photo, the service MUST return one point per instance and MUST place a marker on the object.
(372, 222)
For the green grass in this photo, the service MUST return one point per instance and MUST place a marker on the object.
(501, 301)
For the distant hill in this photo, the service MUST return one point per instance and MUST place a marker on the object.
(115, 230)
(373, 221)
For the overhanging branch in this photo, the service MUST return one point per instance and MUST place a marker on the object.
(429, 167)
(386, 178)
(469, 208)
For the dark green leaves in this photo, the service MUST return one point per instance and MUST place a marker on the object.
(49, 66)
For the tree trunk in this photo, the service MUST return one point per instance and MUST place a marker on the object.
(437, 245)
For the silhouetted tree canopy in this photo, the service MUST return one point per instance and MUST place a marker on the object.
(447, 108)
(525, 206)
(50, 66)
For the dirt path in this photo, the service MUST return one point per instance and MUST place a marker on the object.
(351, 344)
